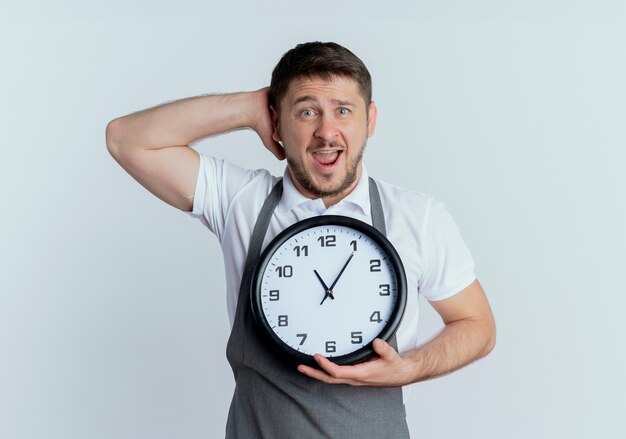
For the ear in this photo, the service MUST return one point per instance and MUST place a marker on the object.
(371, 119)
(275, 124)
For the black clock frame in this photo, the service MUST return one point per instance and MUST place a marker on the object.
(365, 352)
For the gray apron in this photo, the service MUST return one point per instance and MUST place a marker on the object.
(273, 400)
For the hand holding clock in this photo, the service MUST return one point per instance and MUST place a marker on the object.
(468, 323)
(389, 369)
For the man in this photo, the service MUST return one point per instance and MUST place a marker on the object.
(318, 114)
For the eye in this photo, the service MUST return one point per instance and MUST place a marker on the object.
(307, 113)
(343, 111)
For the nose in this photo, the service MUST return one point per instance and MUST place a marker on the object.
(326, 129)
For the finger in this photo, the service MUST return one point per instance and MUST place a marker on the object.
(330, 367)
(384, 349)
(346, 374)
(319, 375)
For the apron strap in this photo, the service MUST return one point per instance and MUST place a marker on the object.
(258, 233)
(376, 208)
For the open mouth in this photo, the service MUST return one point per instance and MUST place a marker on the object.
(327, 157)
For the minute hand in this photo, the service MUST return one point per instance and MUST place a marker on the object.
(341, 272)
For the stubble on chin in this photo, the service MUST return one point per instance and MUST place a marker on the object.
(300, 174)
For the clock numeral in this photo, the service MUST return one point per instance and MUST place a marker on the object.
(327, 240)
(301, 250)
(353, 244)
(283, 320)
(374, 265)
(384, 290)
(286, 271)
(375, 317)
(356, 337)
(274, 295)
(303, 337)
(331, 347)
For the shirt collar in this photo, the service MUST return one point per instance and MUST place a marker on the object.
(292, 198)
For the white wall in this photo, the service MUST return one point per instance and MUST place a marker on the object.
(112, 312)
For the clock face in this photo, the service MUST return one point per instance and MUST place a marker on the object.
(328, 285)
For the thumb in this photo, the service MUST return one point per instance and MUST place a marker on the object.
(383, 349)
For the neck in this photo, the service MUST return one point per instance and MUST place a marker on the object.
(332, 199)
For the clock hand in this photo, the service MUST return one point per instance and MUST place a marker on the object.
(329, 292)
(320, 279)
(341, 272)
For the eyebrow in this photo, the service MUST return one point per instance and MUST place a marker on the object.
(315, 100)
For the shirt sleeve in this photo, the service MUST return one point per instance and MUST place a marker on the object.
(448, 263)
(217, 184)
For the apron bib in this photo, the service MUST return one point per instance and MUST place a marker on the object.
(273, 400)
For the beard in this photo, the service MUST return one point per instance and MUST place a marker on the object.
(300, 174)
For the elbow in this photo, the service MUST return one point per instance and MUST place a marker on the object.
(490, 341)
(113, 135)
(491, 344)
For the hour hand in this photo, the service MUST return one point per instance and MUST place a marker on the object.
(329, 292)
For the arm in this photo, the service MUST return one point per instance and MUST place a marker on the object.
(468, 335)
(152, 145)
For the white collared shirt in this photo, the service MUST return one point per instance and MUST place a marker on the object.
(437, 262)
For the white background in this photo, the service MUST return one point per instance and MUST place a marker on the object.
(112, 311)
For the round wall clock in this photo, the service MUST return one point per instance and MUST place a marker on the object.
(329, 285)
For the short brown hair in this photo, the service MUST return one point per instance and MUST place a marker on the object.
(321, 60)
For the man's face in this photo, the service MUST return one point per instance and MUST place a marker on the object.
(324, 126)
